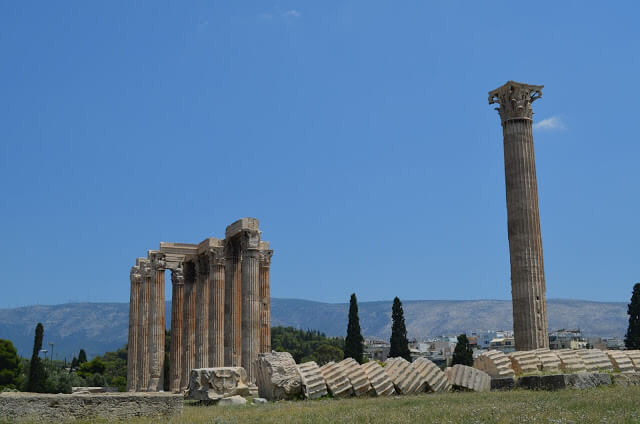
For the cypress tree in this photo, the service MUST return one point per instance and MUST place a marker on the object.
(399, 342)
(463, 354)
(37, 373)
(632, 338)
(354, 343)
(82, 357)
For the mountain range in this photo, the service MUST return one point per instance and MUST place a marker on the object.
(101, 327)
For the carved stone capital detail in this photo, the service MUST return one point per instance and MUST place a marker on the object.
(249, 240)
(514, 100)
(177, 276)
(145, 268)
(202, 265)
(158, 261)
(265, 257)
(216, 256)
(135, 274)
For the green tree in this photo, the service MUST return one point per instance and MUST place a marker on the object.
(82, 357)
(632, 338)
(94, 366)
(463, 354)
(354, 343)
(307, 345)
(399, 342)
(37, 373)
(10, 366)
(326, 353)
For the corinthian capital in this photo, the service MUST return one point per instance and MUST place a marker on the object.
(514, 100)
(177, 276)
(135, 274)
(265, 257)
(250, 240)
(158, 261)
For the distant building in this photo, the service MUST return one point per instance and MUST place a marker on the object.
(484, 338)
(503, 344)
(376, 350)
(567, 339)
(614, 343)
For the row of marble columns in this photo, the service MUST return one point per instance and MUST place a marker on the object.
(220, 312)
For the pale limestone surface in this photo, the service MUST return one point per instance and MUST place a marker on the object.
(435, 380)
(381, 383)
(232, 400)
(524, 362)
(405, 378)
(495, 363)
(313, 384)
(338, 384)
(548, 360)
(595, 360)
(277, 376)
(634, 356)
(620, 361)
(469, 378)
(570, 361)
(356, 375)
(217, 383)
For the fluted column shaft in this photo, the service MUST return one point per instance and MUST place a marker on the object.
(157, 330)
(202, 312)
(132, 345)
(233, 311)
(250, 310)
(189, 328)
(142, 382)
(177, 345)
(265, 302)
(216, 309)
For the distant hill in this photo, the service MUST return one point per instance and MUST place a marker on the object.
(100, 327)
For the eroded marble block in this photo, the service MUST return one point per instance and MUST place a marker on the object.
(217, 383)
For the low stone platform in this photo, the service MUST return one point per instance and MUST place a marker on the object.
(36, 407)
(563, 381)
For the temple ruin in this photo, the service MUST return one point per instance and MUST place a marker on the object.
(220, 309)
(530, 326)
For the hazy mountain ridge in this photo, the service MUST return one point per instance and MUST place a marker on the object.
(100, 327)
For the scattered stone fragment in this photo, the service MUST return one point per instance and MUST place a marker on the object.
(468, 378)
(338, 384)
(626, 379)
(595, 360)
(405, 378)
(313, 384)
(356, 375)
(548, 360)
(277, 376)
(524, 362)
(217, 383)
(259, 401)
(433, 377)
(232, 400)
(620, 361)
(570, 361)
(381, 383)
(495, 363)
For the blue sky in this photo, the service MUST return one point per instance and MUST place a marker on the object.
(359, 133)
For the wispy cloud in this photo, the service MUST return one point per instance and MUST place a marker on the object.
(553, 123)
(292, 14)
(279, 14)
(202, 26)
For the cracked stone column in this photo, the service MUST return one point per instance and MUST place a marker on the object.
(177, 342)
(233, 306)
(216, 306)
(189, 328)
(132, 346)
(265, 298)
(142, 382)
(202, 311)
(251, 304)
(157, 324)
(530, 325)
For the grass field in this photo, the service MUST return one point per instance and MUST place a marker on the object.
(600, 405)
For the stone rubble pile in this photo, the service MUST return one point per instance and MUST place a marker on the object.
(381, 383)
(524, 362)
(356, 375)
(571, 361)
(620, 361)
(338, 384)
(436, 380)
(405, 378)
(548, 360)
(277, 376)
(634, 356)
(495, 363)
(212, 384)
(595, 360)
(468, 378)
(313, 384)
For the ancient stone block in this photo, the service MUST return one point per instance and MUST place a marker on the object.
(595, 360)
(356, 375)
(634, 356)
(338, 384)
(503, 383)
(620, 361)
(232, 400)
(468, 378)
(313, 384)
(405, 378)
(216, 383)
(524, 362)
(495, 363)
(277, 376)
(529, 382)
(570, 361)
(588, 380)
(433, 377)
(548, 360)
(381, 383)
(626, 379)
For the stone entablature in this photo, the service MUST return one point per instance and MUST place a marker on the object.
(220, 312)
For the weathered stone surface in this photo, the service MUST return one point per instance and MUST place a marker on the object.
(595, 360)
(587, 380)
(634, 356)
(85, 390)
(217, 383)
(356, 375)
(259, 401)
(435, 380)
(495, 363)
(338, 384)
(626, 379)
(313, 384)
(405, 378)
(108, 406)
(277, 376)
(548, 360)
(529, 382)
(233, 400)
(468, 378)
(381, 383)
(562, 381)
(503, 383)
(620, 361)
(570, 361)
(524, 362)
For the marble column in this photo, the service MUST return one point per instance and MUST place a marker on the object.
(265, 301)
(233, 306)
(189, 328)
(528, 287)
(157, 324)
(216, 307)
(250, 243)
(177, 345)
(202, 311)
(132, 346)
(142, 382)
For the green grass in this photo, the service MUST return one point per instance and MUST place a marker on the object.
(601, 405)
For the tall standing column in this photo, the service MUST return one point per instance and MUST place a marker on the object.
(265, 301)
(216, 307)
(233, 306)
(250, 243)
(189, 328)
(528, 289)
(142, 382)
(177, 345)
(132, 346)
(157, 324)
(202, 311)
